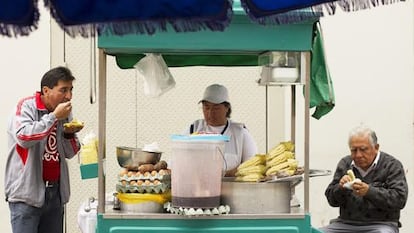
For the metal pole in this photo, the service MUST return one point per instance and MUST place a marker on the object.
(102, 131)
(306, 62)
(293, 114)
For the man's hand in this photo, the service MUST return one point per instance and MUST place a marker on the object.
(345, 179)
(63, 110)
(360, 188)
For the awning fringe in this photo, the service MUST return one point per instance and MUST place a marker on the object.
(354, 5)
(214, 23)
(23, 22)
(270, 13)
(26, 17)
(150, 27)
(293, 16)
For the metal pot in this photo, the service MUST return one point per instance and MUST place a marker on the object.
(143, 207)
(131, 158)
(256, 197)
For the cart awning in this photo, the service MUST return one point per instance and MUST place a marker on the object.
(232, 47)
(91, 17)
(239, 45)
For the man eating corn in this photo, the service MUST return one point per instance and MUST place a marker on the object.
(369, 187)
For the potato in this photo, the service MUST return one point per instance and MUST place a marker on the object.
(146, 168)
(160, 165)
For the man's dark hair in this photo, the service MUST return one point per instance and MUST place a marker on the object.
(52, 77)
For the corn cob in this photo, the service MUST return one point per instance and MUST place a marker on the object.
(252, 177)
(289, 164)
(280, 159)
(253, 161)
(293, 164)
(285, 172)
(275, 169)
(289, 146)
(351, 174)
(252, 169)
(275, 151)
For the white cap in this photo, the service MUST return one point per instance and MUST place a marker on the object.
(216, 94)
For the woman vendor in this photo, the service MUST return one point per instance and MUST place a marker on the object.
(217, 112)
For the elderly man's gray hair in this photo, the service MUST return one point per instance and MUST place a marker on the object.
(363, 130)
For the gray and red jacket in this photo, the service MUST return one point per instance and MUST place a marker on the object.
(28, 130)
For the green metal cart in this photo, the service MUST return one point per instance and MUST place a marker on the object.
(241, 44)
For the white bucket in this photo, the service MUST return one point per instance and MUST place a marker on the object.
(196, 170)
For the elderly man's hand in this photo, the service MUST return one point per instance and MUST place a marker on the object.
(345, 179)
(360, 188)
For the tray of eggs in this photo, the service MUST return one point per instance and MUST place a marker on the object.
(148, 178)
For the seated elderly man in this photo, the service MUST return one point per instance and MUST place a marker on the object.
(369, 187)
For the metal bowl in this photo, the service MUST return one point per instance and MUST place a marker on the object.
(131, 158)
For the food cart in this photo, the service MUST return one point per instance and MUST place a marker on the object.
(232, 47)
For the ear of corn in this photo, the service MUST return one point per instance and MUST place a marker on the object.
(275, 151)
(290, 146)
(289, 164)
(252, 177)
(253, 161)
(285, 172)
(351, 174)
(252, 169)
(280, 158)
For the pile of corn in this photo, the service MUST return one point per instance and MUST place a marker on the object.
(279, 161)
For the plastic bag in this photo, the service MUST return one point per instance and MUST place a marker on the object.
(89, 149)
(156, 75)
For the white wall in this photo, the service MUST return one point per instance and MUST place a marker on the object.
(370, 54)
(23, 61)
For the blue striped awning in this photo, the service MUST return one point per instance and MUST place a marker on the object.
(91, 17)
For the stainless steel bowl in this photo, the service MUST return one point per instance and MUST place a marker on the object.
(131, 158)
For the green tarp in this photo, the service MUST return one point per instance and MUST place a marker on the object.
(321, 88)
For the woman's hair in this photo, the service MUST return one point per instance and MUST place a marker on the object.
(363, 131)
(228, 105)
